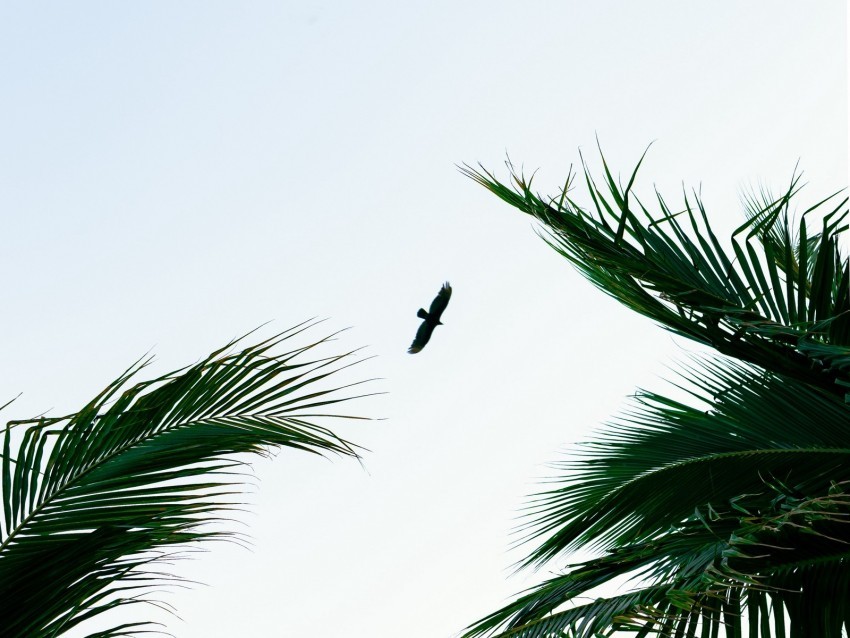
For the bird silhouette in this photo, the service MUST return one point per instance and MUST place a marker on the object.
(431, 318)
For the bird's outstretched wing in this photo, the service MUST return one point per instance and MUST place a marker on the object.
(440, 302)
(431, 318)
(422, 337)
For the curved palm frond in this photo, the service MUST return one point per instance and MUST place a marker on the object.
(651, 468)
(754, 305)
(729, 511)
(93, 501)
(696, 502)
(791, 565)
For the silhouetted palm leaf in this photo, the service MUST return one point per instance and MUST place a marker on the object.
(92, 502)
(732, 510)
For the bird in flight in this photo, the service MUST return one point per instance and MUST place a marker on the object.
(431, 318)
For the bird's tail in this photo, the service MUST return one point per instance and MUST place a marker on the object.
(422, 314)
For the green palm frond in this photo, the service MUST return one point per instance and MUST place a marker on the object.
(794, 568)
(651, 468)
(728, 511)
(753, 304)
(693, 500)
(667, 612)
(94, 501)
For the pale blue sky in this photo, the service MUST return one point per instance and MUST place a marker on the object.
(173, 174)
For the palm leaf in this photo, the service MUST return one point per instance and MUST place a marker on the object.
(663, 459)
(741, 304)
(729, 509)
(687, 499)
(93, 501)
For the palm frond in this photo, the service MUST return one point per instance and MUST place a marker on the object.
(94, 500)
(756, 569)
(651, 468)
(729, 509)
(753, 304)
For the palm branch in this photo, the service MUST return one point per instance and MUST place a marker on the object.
(729, 509)
(94, 502)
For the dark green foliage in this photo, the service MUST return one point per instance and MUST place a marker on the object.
(728, 513)
(94, 502)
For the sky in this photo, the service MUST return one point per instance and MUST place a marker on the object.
(175, 174)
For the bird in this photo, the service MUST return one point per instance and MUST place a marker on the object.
(431, 318)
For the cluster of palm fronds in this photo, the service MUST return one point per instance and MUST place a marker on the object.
(94, 501)
(730, 513)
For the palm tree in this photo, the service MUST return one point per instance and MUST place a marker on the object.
(726, 512)
(95, 501)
